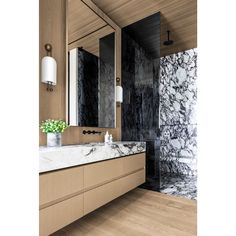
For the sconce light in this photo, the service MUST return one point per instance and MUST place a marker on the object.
(119, 92)
(49, 69)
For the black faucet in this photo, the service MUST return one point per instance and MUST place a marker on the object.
(91, 132)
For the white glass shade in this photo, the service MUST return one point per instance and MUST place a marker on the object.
(49, 70)
(119, 94)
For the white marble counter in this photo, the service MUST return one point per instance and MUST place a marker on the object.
(54, 158)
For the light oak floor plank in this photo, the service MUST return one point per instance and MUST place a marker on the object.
(139, 213)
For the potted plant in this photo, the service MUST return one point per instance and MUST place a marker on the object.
(53, 129)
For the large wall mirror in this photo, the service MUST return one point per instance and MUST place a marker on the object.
(91, 68)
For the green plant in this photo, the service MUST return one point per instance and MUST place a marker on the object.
(53, 126)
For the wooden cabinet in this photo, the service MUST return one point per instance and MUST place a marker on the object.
(57, 216)
(58, 184)
(67, 195)
(133, 180)
(134, 162)
(98, 173)
(99, 196)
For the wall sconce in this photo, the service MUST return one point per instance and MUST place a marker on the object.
(49, 69)
(119, 92)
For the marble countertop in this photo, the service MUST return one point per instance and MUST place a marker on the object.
(54, 158)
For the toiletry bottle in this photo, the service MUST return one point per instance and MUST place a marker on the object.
(106, 137)
(110, 138)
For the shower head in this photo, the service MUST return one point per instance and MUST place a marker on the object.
(168, 41)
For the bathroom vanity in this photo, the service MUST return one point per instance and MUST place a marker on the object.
(77, 179)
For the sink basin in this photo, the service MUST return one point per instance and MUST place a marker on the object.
(95, 144)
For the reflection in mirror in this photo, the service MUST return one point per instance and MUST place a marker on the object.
(91, 77)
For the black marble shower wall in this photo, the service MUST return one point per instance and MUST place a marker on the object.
(140, 108)
(140, 74)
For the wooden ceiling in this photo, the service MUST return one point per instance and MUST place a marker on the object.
(178, 16)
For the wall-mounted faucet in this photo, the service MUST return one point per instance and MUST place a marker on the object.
(91, 132)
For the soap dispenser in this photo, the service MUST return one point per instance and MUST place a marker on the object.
(106, 137)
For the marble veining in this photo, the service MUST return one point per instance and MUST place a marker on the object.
(54, 158)
(180, 185)
(140, 74)
(178, 126)
(179, 149)
(178, 89)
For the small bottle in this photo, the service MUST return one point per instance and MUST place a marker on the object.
(110, 138)
(106, 137)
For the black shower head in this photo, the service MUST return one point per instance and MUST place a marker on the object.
(168, 41)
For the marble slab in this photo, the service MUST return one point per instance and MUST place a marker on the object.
(178, 88)
(54, 158)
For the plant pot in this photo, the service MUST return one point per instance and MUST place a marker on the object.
(53, 139)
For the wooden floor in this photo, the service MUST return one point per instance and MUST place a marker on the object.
(139, 213)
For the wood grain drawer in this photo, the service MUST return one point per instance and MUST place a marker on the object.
(134, 162)
(58, 184)
(132, 181)
(101, 195)
(98, 173)
(59, 215)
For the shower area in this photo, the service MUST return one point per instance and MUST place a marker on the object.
(159, 107)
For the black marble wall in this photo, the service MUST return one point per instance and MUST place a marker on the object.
(140, 108)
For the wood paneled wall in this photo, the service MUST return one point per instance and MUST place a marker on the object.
(53, 29)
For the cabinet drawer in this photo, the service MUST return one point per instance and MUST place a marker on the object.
(134, 162)
(98, 173)
(101, 195)
(59, 215)
(58, 184)
(132, 181)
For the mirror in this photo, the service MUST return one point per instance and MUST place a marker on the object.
(91, 69)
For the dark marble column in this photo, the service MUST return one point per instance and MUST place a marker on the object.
(140, 108)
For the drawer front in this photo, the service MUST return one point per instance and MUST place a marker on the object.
(59, 215)
(98, 173)
(58, 184)
(132, 181)
(101, 195)
(134, 162)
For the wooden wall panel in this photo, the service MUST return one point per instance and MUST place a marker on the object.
(176, 15)
(53, 29)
